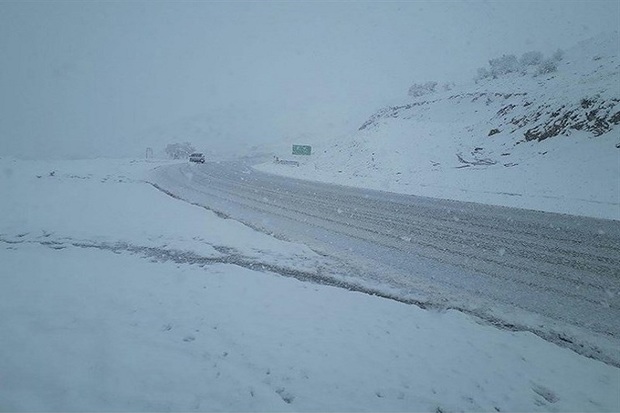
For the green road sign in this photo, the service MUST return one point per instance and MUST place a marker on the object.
(302, 150)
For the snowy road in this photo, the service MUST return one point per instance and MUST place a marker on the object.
(555, 275)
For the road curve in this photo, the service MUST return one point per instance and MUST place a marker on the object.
(555, 275)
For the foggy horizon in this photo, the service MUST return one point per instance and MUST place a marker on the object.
(93, 79)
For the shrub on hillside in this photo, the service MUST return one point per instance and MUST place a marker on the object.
(482, 73)
(530, 62)
(504, 65)
(448, 86)
(531, 58)
(421, 89)
(547, 66)
(558, 55)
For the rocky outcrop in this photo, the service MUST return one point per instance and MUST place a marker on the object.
(594, 115)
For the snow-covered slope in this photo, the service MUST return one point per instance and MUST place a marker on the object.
(538, 141)
(116, 297)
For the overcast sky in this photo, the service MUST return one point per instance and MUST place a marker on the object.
(87, 78)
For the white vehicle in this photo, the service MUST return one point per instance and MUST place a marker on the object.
(197, 157)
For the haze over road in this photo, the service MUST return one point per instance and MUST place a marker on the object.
(555, 275)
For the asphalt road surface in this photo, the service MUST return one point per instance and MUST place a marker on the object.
(555, 275)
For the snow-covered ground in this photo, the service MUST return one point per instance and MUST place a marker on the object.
(115, 296)
(479, 142)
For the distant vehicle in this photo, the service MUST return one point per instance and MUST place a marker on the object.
(197, 157)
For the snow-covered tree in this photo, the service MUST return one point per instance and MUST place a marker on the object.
(531, 58)
(503, 65)
(179, 150)
(547, 66)
(482, 73)
(420, 89)
(448, 86)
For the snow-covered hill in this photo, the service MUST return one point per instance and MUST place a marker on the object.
(538, 141)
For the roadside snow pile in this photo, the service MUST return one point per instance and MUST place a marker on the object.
(546, 142)
(115, 296)
(106, 204)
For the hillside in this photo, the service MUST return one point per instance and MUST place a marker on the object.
(538, 141)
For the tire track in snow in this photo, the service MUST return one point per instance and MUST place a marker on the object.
(232, 257)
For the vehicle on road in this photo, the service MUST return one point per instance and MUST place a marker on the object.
(197, 157)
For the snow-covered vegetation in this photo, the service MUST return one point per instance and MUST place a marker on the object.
(545, 140)
(179, 150)
(532, 62)
(421, 89)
